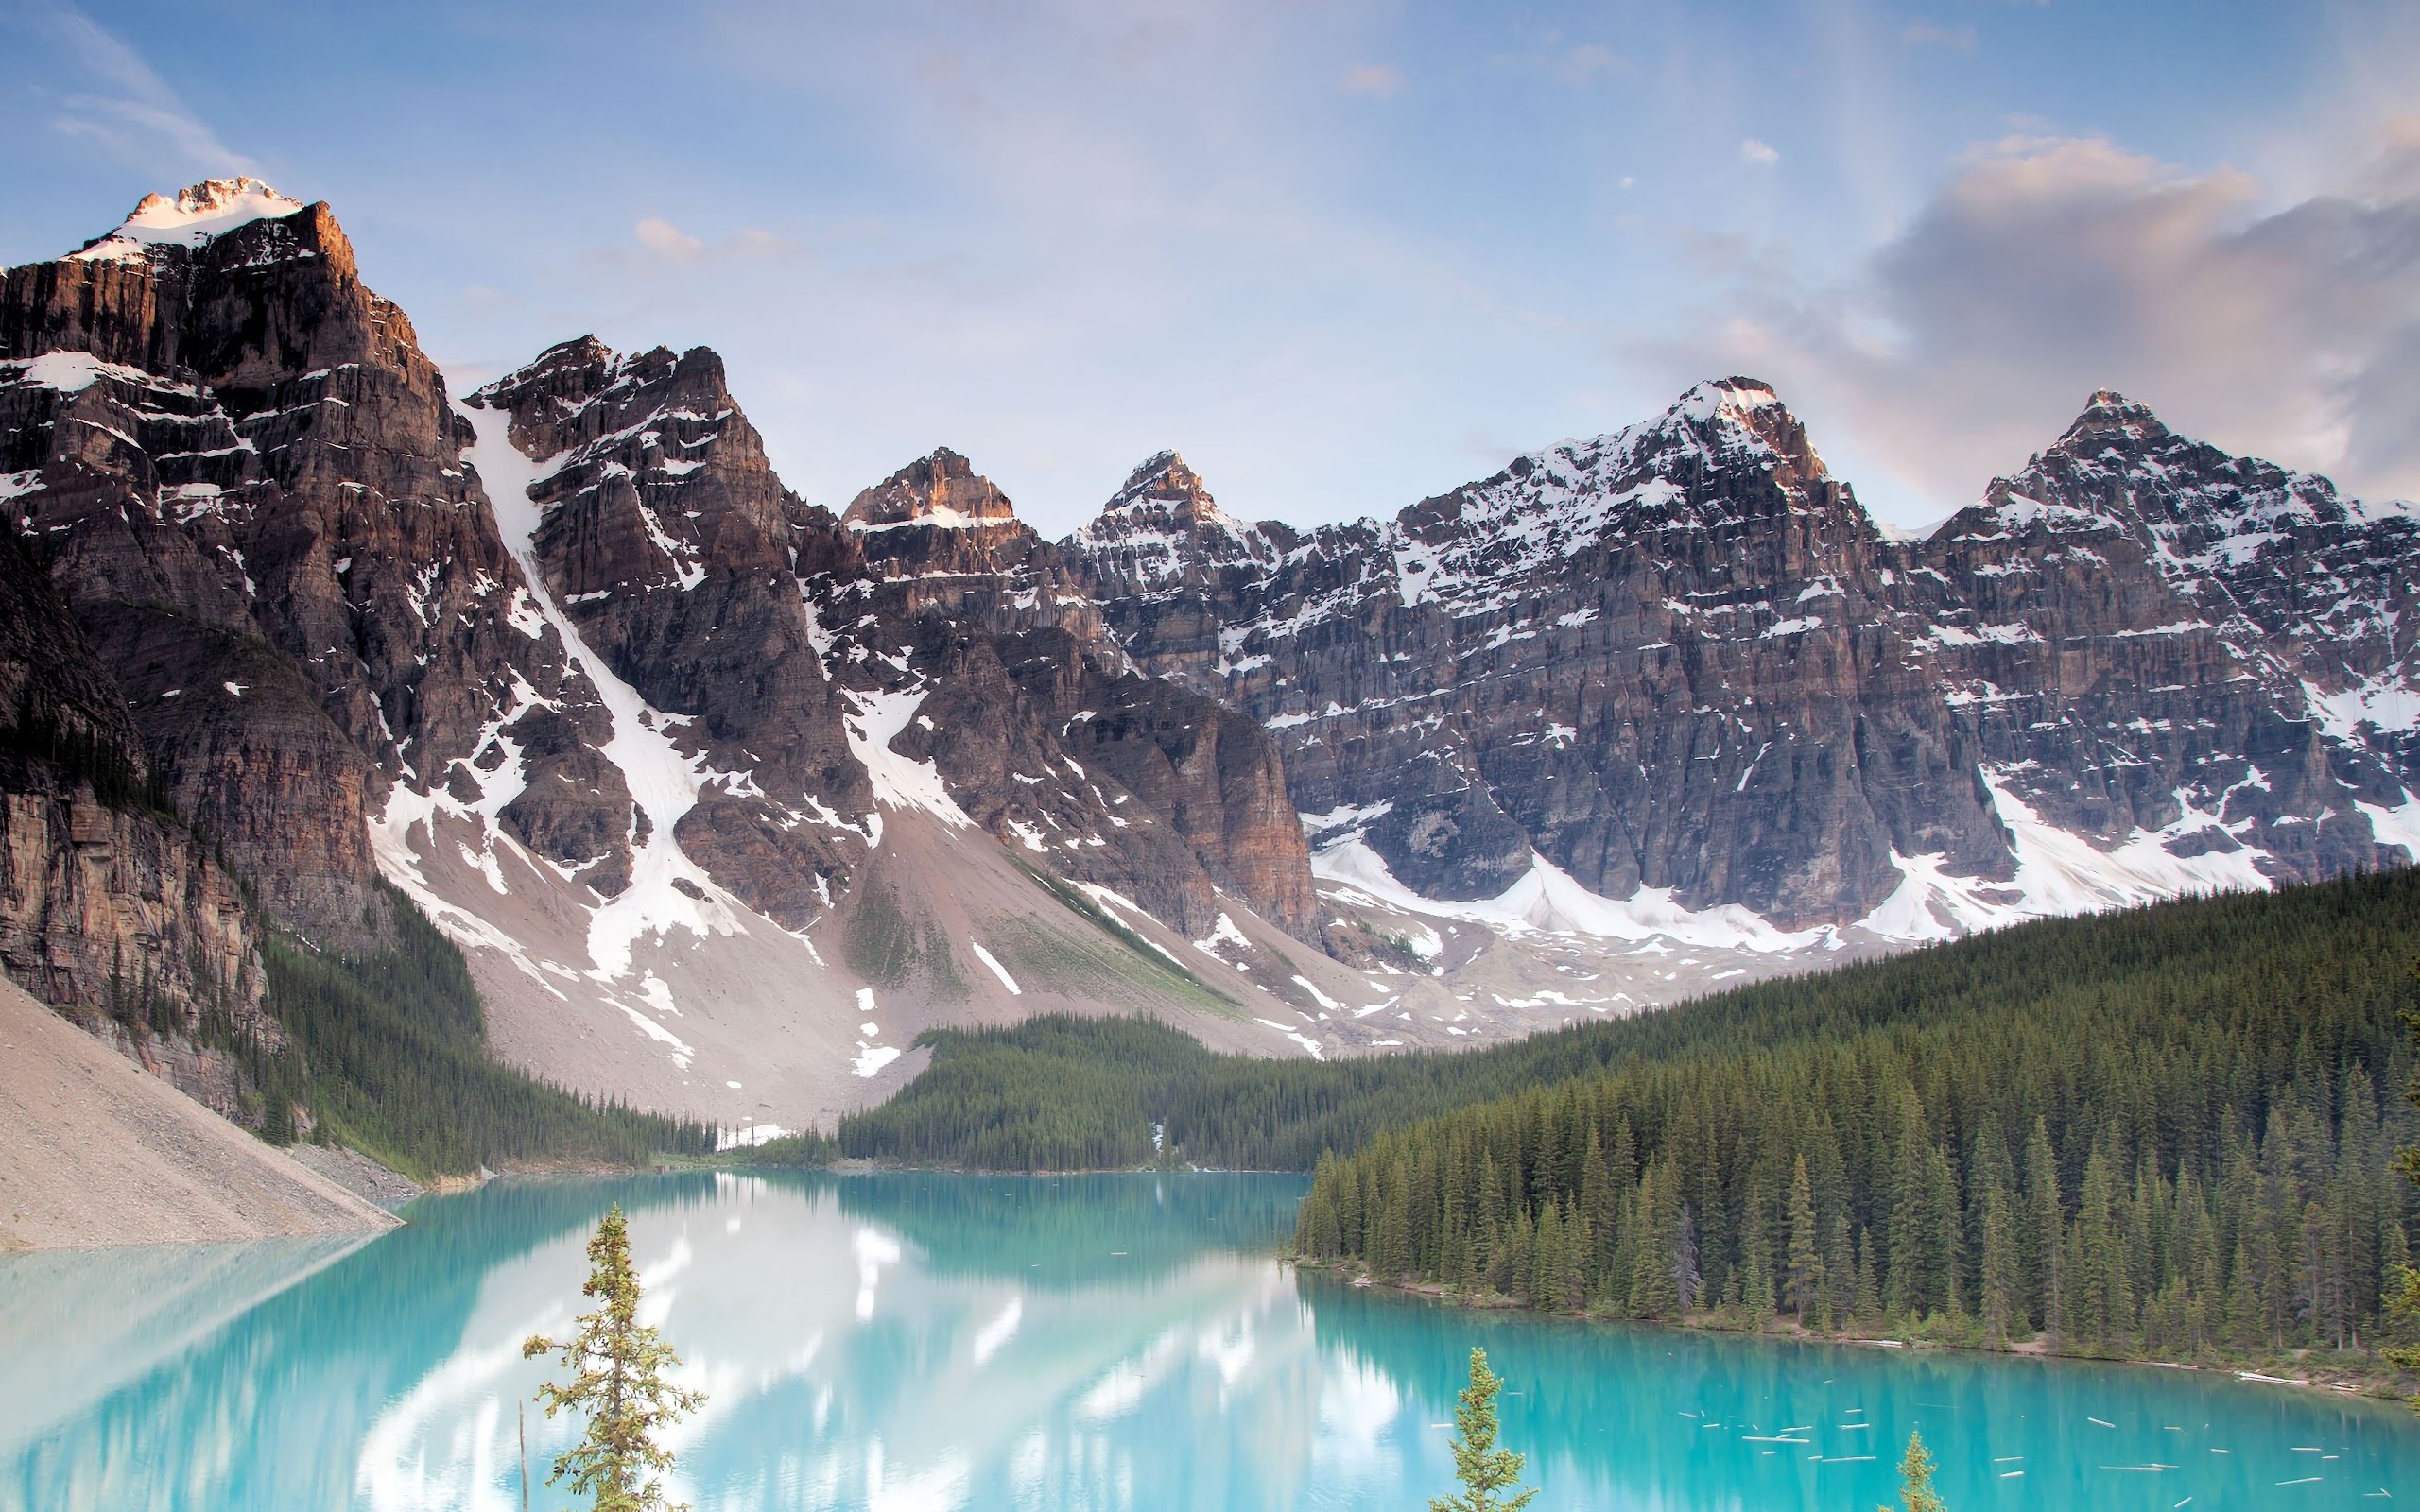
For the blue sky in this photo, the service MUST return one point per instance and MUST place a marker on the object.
(1340, 254)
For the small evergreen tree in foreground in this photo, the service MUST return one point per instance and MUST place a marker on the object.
(617, 1367)
(1915, 1480)
(1491, 1477)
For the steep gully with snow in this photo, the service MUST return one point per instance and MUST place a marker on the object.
(727, 796)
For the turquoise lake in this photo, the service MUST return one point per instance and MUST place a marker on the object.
(912, 1342)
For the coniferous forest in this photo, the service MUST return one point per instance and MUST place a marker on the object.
(390, 1055)
(2166, 1132)
(2176, 1144)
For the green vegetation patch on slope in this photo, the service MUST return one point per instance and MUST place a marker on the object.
(390, 1055)
(1149, 966)
(886, 947)
(1054, 1093)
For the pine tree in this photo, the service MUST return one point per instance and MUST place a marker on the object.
(1908, 1223)
(2403, 1304)
(1915, 1480)
(2045, 1220)
(1655, 1291)
(1806, 1288)
(1391, 1243)
(1599, 1205)
(1837, 1298)
(1868, 1303)
(1491, 1477)
(618, 1383)
(1998, 1299)
(2403, 1286)
(1545, 1287)
(1688, 1280)
(1756, 1282)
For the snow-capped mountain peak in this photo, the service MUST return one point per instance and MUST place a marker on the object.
(1735, 395)
(199, 214)
(1737, 419)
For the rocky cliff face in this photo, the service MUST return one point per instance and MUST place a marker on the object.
(564, 660)
(1037, 722)
(1679, 664)
(810, 665)
(106, 902)
(2159, 645)
(659, 529)
(245, 477)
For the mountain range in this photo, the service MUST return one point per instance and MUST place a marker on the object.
(727, 795)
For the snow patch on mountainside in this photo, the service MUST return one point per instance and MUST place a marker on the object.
(993, 963)
(899, 782)
(2060, 872)
(2399, 825)
(2387, 703)
(1548, 900)
(72, 372)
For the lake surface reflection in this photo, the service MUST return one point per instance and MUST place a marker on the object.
(918, 1341)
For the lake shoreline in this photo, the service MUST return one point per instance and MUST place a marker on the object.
(2381, 1383)
(980, 1340)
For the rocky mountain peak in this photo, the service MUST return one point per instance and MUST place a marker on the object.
(577, 354)
(1163, 487)
(2110, 417)
(1737, 419)
(1162, 529)
(1725, 458)
(942, 492)
(1160, 475)
(197, 215)
(585, 370)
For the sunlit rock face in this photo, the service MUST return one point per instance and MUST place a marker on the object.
(244, 475)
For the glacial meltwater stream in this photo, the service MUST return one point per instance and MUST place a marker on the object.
(915, 1341)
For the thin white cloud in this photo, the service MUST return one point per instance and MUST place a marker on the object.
(658, 234)
(1759, 153)
(663, 242)
(2047, 267)
(126, 106)
(1380, 81)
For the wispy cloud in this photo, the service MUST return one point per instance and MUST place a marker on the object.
(661, 241)
(1759, 153)
(1380, 81)
(121, 102)
(660, 236)
(2047, 267)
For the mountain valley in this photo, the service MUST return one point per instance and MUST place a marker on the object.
(727, 795)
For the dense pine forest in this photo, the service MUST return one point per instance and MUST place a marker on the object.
(2165, 1133)
(389, 1055)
